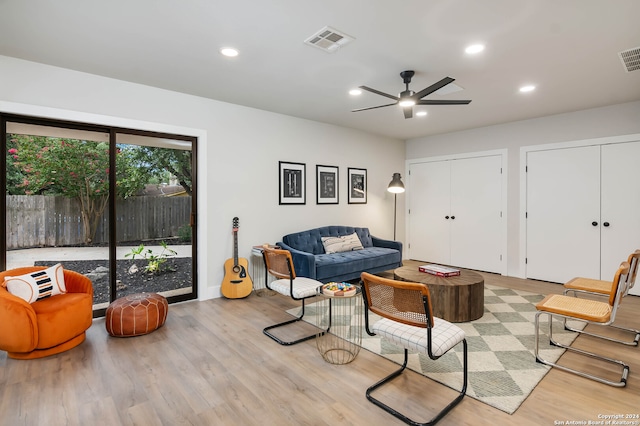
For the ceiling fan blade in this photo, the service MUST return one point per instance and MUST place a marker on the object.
(424, 92)
(377, 92)
(408, 112)
(379, 106)
(442, 102)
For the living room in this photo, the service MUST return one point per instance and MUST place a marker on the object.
(239, 148)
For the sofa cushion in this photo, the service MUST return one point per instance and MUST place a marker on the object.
(37, 285)
(341, 244)
(310, 241)
(336, 264)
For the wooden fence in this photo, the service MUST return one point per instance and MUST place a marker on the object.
(49, 221)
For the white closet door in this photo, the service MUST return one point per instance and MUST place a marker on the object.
(563, 200)
(429, 237)
(620, 205)
(476, 225)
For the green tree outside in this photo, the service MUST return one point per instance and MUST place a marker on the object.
(38, 165)
(165, 161)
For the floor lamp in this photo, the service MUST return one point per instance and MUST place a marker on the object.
(396, 187)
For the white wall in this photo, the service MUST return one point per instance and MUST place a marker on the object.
(614, 120)
(239, 150)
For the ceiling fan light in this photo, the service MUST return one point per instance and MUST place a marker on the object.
(355, 92)
(421, 113)
(405, 99)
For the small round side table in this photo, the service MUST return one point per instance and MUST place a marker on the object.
(342, 318)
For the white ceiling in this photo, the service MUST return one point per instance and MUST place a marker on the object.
(568, 49)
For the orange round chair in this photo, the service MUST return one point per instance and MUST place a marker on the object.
(47, 326)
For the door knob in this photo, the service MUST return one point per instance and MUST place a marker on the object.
(605, 224)
(594, 223)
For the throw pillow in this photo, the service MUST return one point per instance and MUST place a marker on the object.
(37, 285)
(342, 244)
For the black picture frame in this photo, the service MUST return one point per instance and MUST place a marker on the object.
(292, 182)
(327, 184)
(357, 186)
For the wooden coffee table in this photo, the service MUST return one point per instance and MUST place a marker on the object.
(455, 299)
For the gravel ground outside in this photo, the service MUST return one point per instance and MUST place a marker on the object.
(130, 275)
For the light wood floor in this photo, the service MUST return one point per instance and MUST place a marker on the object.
(211, 365)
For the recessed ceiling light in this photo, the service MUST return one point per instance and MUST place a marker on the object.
(528, 88)
(229, 51)
(474, 48)
(355, 92)
(421, 113)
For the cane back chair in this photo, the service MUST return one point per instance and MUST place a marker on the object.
(408, 321)
(588, 311)
(279, 263)
(603, 288)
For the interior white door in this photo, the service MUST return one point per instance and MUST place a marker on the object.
(620, 205)
(429, 204)
(476, 223)
(563, 214)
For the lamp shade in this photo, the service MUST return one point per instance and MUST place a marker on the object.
(396, 186)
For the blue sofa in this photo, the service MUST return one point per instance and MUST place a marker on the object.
(311, 260)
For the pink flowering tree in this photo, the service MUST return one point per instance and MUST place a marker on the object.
(15, 177)
(73, 168)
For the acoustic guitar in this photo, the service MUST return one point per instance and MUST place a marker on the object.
(236, 283)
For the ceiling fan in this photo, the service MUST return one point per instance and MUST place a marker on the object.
(408, 98)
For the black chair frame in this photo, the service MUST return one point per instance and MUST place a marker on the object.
(267, 330)
(398, 372)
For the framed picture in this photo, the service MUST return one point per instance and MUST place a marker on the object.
(357, 180)
(293, 183)
(326, 184)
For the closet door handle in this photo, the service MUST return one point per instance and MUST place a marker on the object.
(605, 224)
(594, 223)
(446, 217)
(453, 217)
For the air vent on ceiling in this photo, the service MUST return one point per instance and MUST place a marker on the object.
(329, 39)
(631, 59)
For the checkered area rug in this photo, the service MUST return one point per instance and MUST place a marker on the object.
(502, 368)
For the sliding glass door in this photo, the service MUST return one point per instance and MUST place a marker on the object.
(113, 204)
(56, 199)
(153, 211)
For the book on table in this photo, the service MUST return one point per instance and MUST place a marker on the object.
(439, 270)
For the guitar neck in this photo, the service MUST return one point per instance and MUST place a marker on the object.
(235, 247)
